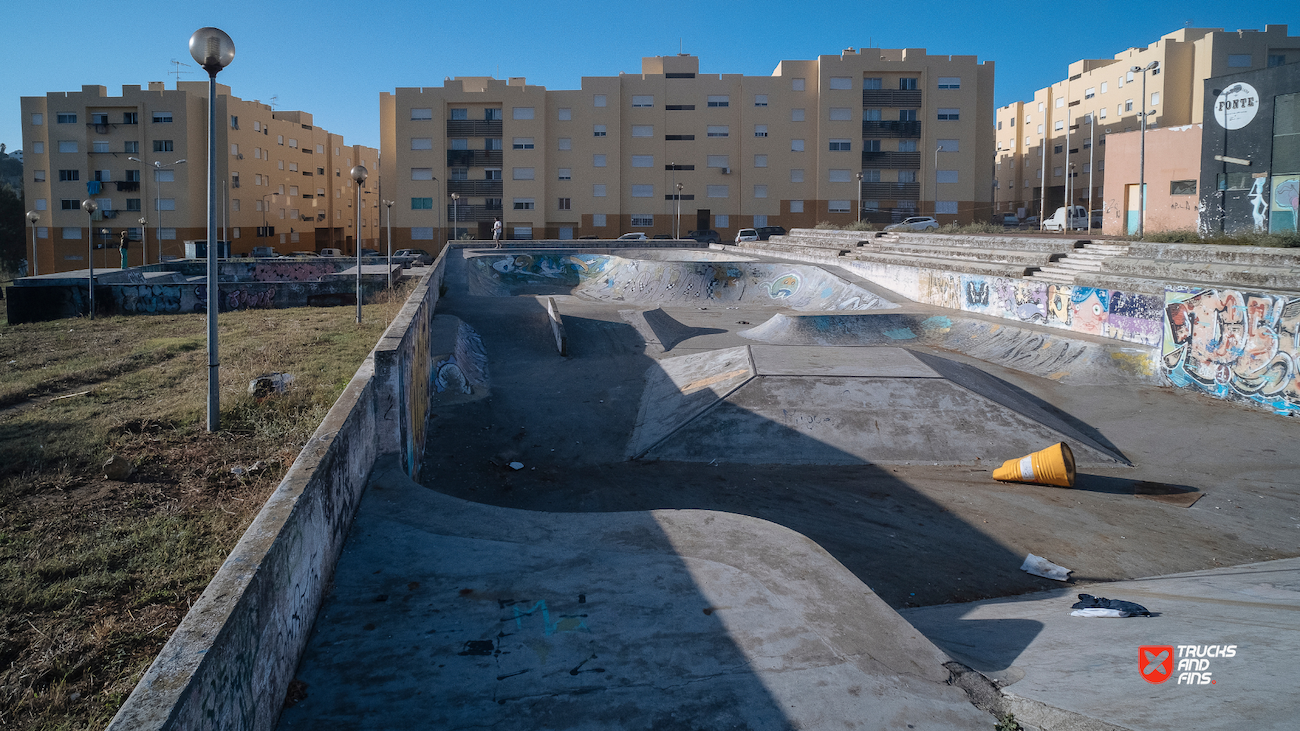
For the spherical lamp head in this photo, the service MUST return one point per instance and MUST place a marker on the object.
(212, 49)
(89, 206)
(33, 217)
(359, 173)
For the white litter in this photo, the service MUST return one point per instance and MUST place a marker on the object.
(1099, 612)
(516, 465)
(1039, 566)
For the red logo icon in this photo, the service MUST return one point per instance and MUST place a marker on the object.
(1156, 662)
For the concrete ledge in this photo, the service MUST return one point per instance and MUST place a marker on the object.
(557, 327)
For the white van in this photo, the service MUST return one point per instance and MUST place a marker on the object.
(1078, 219)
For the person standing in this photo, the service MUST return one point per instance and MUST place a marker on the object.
(121, 248)
(496, 233)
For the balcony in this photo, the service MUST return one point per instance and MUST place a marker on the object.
(473, 128)
(473, 158)
(892, 160)
(891, 128)
(910, 99)
(891, 191)
(475, 187)
(130, 186)
(470, 213)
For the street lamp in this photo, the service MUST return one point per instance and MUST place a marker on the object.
(33, 217)
(157, 204)
(1142, 156)
(89, 207)
(937, 150)
(860, 177)
(144, 233)
(678, 232)
(212, 49)
(389, 206)
(359, 174)
(439, 182)
(455, 216)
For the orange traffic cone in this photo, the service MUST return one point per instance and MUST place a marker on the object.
(1051, 466)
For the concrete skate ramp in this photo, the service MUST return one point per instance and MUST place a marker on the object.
(843, 406)
(1063, 357)
(660, 328)
(608, 278)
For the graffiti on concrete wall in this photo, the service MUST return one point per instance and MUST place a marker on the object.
(1236, 345)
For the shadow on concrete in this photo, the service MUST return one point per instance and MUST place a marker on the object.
(1180, 495)
(672, 333)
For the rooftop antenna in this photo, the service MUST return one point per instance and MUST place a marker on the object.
(176, 71)
(274, 99)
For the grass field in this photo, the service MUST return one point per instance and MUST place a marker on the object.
(95, 574)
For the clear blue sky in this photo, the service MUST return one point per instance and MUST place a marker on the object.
(332, 59)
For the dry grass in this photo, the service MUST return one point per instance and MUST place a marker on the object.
(96, 574)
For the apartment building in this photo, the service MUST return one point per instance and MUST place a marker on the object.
(672, 149)
(1057, 141)
(143, 155)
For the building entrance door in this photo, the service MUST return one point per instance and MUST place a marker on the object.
(702, 219)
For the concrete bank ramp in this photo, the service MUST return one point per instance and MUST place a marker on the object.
(1062, 357)
(773, 405)
(608, 278)
(448, 614)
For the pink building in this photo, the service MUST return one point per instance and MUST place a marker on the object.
(1173, 171)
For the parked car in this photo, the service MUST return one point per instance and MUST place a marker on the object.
(331, 252)
(704, 236)
(1078, 219)
(746, 234)
(636, 236)
(1096, 219)
(301, 253)
(421, 256)
(662, 236)
(369, 252)
(767, 232)
(915, 223)
(1010, 220)
(1030, 223)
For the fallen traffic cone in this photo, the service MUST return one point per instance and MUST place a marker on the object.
(1051, 466)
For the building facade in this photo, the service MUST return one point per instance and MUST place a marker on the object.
(1060, 136)
(1173, 169)
(671, 149)
(143, 155)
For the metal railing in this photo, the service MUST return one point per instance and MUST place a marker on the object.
(892, 160)
(891, 98)
(474, 128)
(891, 191)
(473, 158)
(475, 187)
(470, 213)
(891, 128)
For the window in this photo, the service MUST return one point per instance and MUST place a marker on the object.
(1128, 105)
(871, 115)
(1155, 98)
(838, 206)
(643, 191)
(760, 191)
(643, 101)
(598, 100)
(760, 130)
(522, 113)
(133, 204)
(1060, 102)
(841, 114)
(522, 174)
(1276, 60)
(71, 146)
(1087, 167)
(165, 204)
(421, 204)
(1040, 130)
(598, 219)
(598, 161)
(796, 175)
(99, 146)
(40, 204)
(841, 82)
(760, 161)
(67, 176)
(489, 143)
(71, 232)
(1090, 92)
(949, 207)
(797, 115)
(643, 161)
(949, 146)
(945, 176)
(717, 191)
(598, 190)
(796, 84)
(949, 115)
(293, 190)
(564, 114)
(840, 176)
(949, 82)
(841, 145)
(565, 143)
(903, 145)
(564, 174)
(641, 220)
(907, 115)
(38, 118)
(760, 100)
(907, 84)
(69, 204)
(598, 130)
(524, 204)
(719, 101)
(164, 176)
(421, 114)
(718, 161)
(1235, 61)
(459, 115)
(1057, 171)
(1182, 187)
(66, 118)
(721, 220)
(679, 137)
(796, 145)
(104, 176)
(872, 83)
(426, 143)
(564, 204)
(796, 206)
(1058, 149)
(38, 176)
(421, 173)
(522, 143)
(1058, 125)
(718, 130)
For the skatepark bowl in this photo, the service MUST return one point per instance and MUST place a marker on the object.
(711, 511)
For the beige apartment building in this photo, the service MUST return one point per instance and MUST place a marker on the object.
(284, 181)
(672, 149)
(1060, 136)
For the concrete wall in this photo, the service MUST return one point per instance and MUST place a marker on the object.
(229, 663)
(1172, 154)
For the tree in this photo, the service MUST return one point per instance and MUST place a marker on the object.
(12, 227)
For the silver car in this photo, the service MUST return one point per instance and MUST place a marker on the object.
(915, 223)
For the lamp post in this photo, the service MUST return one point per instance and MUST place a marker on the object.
(389, 206)
(359, 174)
(1142, 155)
(144, 234)
(103, 232)
(157, 204)
(937, 150)
(455, 215)
(89, 207)
(33, 217)
(1092, 145)
(678, 232)
(212, 49)
(860, 177)
(439, 182)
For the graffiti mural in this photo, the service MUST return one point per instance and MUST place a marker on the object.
(1234, 345)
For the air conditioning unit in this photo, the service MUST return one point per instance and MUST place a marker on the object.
(240, 156)
(726, 171)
